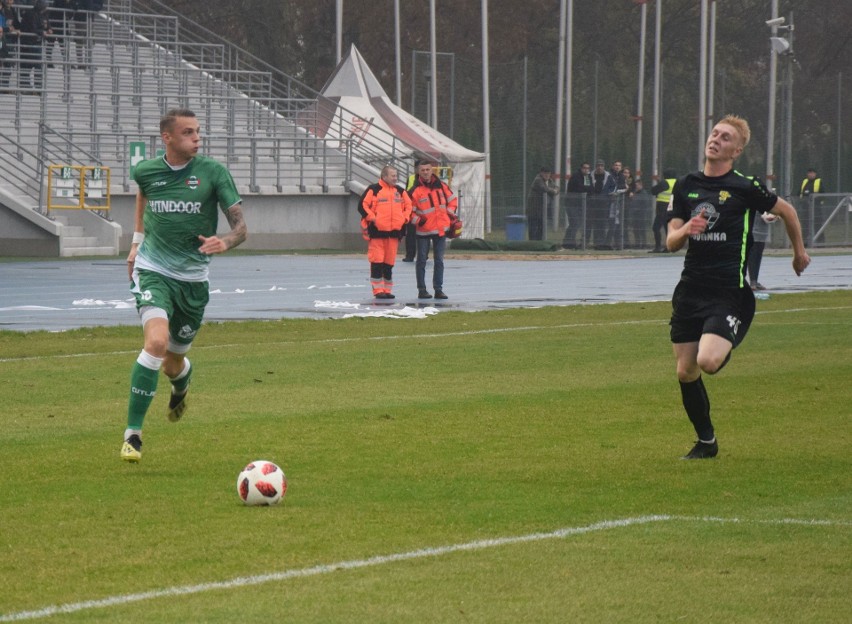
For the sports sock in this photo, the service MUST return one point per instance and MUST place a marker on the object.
(143, 387)
(697, 405)
(181, 382)
(129, 432)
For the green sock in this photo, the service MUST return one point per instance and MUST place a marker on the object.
(181, 382)
(143, 387)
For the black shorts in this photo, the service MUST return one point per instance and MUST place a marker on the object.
(697, 310)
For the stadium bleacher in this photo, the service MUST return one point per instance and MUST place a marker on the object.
(147, 59)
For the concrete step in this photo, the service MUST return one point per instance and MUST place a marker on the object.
(71, 232)
(88, 251)
(78, 241)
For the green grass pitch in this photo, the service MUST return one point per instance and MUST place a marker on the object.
(513, 466)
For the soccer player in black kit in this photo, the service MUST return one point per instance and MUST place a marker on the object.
(713, 305)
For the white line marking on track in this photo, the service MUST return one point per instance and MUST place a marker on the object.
(474, 332)
(248, 581)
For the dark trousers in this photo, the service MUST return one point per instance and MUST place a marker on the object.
(659, 225)
(755, 256)
(410, 241)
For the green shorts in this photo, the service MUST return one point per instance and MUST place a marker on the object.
(183, 302)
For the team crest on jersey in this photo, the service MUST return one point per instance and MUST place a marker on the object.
(710, 213)
(723, 196)
(193, 183)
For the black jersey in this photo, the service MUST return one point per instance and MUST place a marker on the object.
(717, 256)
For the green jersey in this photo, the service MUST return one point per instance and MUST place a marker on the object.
(182, 203)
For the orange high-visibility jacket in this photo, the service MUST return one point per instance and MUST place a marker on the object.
(434, 206)
(385, 209)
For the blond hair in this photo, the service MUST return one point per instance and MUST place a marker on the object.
(740, 125)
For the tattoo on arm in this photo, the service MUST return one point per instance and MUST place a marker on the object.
(239, 232)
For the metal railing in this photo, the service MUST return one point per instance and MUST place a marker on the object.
(273, 132)
(580, 221)
(826, 219)
(21, 169)
(258, 163)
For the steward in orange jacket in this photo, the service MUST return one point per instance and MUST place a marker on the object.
(434, 206)
(385, 209)
(434, 211)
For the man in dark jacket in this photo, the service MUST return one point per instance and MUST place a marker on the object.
(542, 189)
(597, 215)
(35, 27)
(580, 186)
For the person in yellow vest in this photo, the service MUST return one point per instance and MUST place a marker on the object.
(663, 191)
(810, 222)
(811, 184)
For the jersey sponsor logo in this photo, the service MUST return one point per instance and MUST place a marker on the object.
(193, 183)
(716, 237)
(167, 205)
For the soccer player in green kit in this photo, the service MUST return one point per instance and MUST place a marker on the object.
(177, 210)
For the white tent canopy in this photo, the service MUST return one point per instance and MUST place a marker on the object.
(358, 94)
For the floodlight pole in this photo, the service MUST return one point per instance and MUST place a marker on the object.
(637, 164)
(560, 94)
(655, 148)
(788, 114)
(433, 47)
(773, 90)
(339, 26)
(398, 53)
(486, 116)
(702, 86)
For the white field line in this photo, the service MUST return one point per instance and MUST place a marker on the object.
(403, 336)
(248, 581)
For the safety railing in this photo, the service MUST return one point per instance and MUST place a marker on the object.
(155, 61)
(259, 164)
(21, 170)
(826, 219)
(579, 220)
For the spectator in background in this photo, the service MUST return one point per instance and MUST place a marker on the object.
(543, 187)
(35, 29)
(635, 213)
(811, 183)
(663, 191)
(8, 32)
(760, 232)
(411, 228)
(597, 206)
(83, 20)
(434, 208)
(812, 221)
(61, 18)
(385, 210)
(580, 187)
(615, 217)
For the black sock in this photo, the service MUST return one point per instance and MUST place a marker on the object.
(697, 405)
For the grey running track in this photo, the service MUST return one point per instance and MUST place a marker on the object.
(58, 295)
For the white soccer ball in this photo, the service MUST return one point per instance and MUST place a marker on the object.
(261, 483)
